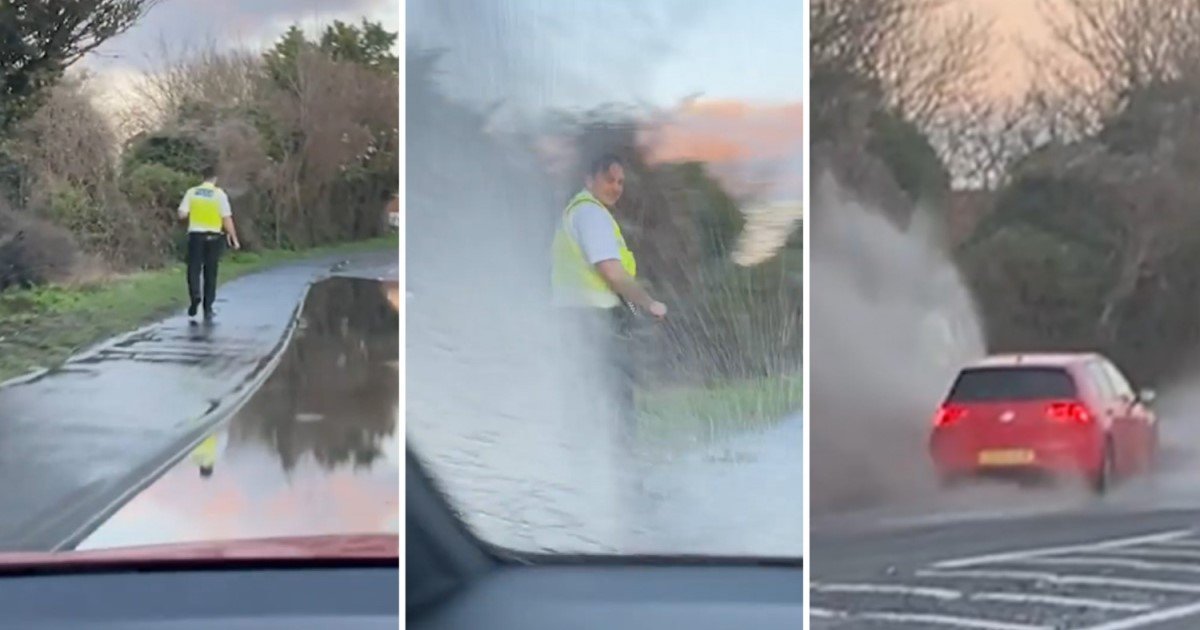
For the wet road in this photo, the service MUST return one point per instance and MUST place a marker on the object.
(739, 496)
(76, 441)
(736, 496)
(1106, 571)
(976, 557)
(315, 451)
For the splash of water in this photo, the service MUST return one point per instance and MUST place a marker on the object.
(892, 321)
(498, 406)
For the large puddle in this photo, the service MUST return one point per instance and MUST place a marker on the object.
(316, 451)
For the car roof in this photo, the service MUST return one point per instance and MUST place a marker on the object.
(1035, 359)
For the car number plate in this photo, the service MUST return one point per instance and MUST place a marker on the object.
(1010, 457)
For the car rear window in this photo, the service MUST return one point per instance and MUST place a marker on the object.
(1024, 383)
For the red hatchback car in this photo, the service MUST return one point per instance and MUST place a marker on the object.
(1045, 413)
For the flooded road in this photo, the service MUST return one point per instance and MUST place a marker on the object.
(738, 496)
(77, 440)
(735, 496)
(315, 451)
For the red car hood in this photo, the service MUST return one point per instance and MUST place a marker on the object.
(359, 547)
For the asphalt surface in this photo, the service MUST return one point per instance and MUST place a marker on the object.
(1135, 570)
(78, 440)
(993, 556)
(315, 451)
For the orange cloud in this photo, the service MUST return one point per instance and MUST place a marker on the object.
(726, 131)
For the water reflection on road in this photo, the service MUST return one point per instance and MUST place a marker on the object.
(315, 451)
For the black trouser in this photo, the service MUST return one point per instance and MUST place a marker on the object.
(203, 257)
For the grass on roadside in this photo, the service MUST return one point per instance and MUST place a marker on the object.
(42, 327)
(672, 413)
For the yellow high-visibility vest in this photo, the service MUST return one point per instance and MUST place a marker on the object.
(575, 280)
(204, 208)
(205, 454)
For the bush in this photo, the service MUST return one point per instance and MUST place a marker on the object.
(33, 252)
(914, 163)
(156, 186)
(1057, 267)
(1037, 291)
(155, 191)
(176, 151)
(72, 208)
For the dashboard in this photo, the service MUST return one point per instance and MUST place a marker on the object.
(244, 598)
(628, 597)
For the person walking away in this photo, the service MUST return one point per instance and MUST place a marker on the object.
(594, 278)
(206, 210)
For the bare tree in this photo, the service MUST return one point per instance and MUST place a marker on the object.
(921, 55)
(68, 140)
(981, 138)
(1118, 47)
(203, 76)
(935, 60)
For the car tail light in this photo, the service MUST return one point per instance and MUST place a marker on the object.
(948, 415)
(1072, 412)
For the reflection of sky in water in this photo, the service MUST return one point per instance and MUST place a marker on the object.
(341, 369)
(249, 496)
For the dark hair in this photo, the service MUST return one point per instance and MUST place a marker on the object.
(603, 163)
(209, 171)
(206, 471)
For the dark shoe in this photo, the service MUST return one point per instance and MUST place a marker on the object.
(193, 307)
(209, 314)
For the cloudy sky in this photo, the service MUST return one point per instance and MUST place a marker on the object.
(175, 29)
(191, 24)
(728, 75)
(537, 53)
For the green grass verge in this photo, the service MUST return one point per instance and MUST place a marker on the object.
(699, 412)
(42, 327)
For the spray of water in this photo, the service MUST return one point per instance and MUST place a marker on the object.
(892, 322)
(1173, 484)
(502, 407)
(504, 412)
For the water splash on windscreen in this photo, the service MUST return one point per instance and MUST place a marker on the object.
(503, 416)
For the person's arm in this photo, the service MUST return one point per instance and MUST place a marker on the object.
(627, 287)
(231, 231)
(227, 223)
(184, 207)
(593, 230)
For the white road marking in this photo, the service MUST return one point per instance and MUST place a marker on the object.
(988, 574)
(1185, 543)
(1055, 600)
(1126, 563)
(1150, 552)
(889, 589)
(1088, 580)
(1047, 551)
(825, 614)
(946, 620)
(1147, 585)
(1159, 616)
